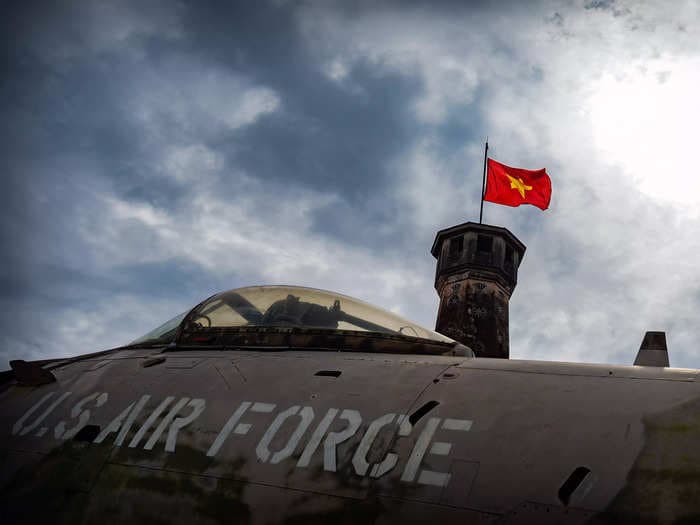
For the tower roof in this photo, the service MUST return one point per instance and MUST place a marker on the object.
(473, 226)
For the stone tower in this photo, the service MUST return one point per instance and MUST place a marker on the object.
(477, 270)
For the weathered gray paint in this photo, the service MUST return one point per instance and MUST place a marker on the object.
(506, 434)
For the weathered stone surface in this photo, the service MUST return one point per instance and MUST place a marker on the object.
(477, 271)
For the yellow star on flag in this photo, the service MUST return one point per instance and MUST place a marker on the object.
(518, 184)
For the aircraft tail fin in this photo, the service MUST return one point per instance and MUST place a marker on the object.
(653, 350)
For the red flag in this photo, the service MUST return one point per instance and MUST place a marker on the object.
(516, 186)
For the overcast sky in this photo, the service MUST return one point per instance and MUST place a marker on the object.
(157, 152)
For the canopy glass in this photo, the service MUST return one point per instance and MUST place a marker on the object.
(290, 306)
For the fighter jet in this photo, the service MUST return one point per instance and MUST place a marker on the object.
(283, 404)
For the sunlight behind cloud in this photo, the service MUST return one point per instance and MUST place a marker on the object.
(645, 120)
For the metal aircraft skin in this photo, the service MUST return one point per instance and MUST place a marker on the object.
(260, 408)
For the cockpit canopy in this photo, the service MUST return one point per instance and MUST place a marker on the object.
(289, 306)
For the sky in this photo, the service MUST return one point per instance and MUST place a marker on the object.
(156, 152)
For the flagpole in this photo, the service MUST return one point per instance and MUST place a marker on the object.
(483, 181)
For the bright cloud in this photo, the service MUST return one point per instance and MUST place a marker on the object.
(202, 102)
(644, 119)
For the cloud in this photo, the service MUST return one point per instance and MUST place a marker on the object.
(558, 96)
(192, 162)
(72, 30)
(184, 100)
(159, 160)
(415, 50)
(636, 118)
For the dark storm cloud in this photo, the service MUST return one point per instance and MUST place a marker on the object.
(332, 139)
(599, 4)
(63, 140)
(327, 137)
(74, 80)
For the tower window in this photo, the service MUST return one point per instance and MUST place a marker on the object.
(456, 246)
(484, 243)
(508, 262)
